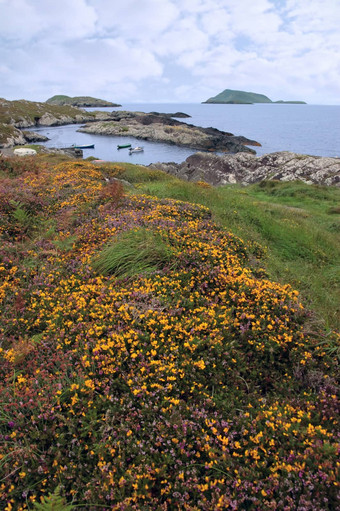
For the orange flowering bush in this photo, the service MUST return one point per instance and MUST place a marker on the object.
(191, 386)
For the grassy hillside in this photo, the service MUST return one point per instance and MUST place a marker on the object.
(146, 359)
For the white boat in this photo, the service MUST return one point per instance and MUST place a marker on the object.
(136, 149)
(23, 151)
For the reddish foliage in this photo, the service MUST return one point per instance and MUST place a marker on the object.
(113, 191)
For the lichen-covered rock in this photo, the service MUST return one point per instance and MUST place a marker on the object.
(246, 168)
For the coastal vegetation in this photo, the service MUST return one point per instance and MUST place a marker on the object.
(148, 359)
(242, 97)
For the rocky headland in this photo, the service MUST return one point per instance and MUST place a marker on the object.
(164, 128)
(17, 115)
(246, 168)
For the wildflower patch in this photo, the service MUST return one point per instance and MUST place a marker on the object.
(184, 383)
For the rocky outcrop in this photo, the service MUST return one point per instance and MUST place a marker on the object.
(179, 115)
(247, 169)
(163, 128)
(10, 136)
(32, 136)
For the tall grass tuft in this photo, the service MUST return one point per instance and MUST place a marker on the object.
(139, 251)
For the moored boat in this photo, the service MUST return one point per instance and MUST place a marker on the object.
(123, 146)
(89, 146)
(136, 149)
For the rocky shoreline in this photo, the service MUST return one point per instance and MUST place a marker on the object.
(164, 128)
(247, 169)
(15, 116)
(239, 164)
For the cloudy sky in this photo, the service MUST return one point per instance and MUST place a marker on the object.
(170, 50)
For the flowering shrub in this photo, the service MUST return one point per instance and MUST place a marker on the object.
(191, 386)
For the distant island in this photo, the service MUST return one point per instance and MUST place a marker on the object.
(79, 101)
(239, 97)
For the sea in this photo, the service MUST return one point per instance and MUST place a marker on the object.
(304, 129)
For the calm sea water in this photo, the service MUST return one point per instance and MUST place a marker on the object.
(305, 129)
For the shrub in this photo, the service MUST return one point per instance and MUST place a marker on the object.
(113, 191)
(17, 165)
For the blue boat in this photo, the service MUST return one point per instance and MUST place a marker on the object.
(89, 146)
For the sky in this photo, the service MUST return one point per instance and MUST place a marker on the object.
(170, 51)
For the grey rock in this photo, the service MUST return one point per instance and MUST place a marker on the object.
(246, 168)
(32, 136)
(13, 136)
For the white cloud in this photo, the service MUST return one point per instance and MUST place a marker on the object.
(25, 20)
(140, 21)
(170, 49)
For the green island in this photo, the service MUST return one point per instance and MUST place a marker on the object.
(79, 101)
(230, 96)
(164, 344)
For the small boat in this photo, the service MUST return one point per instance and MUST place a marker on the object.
(123, 146)
(89, 146)
(136, 150)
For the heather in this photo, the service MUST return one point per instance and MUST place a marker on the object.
(147, 360)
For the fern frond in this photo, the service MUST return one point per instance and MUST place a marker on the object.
(54, 502)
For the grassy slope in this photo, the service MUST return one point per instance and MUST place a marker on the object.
(298, 224)
(184, 379)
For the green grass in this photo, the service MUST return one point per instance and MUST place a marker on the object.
(298, 225)
(135, 252)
